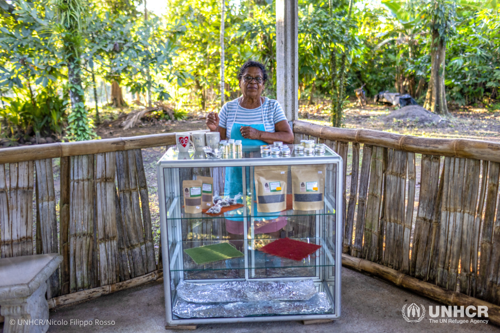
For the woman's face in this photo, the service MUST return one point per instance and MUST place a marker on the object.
(252, 88)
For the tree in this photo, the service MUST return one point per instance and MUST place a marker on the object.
(70, 24)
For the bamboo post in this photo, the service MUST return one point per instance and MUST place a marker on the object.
(429, 183)
(457, 205)
(468, 233)
(81, 222)
(47, 222)
(493, 277)
(373, 206)
(363, 190)
(411, 176)
(478, 227)
(146, 215)
(444, 237)
(106, 218)
(5, 231)
(65, 180)
(122, 242)
(129, 205)
(487, 228)
(352, 198)
(342, 149)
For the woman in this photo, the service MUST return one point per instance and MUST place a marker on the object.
(251, 118)
(256, 121)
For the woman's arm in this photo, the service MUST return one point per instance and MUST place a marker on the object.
(283, 133)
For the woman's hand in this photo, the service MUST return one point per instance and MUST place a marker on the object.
(212, 121)
(249, 132)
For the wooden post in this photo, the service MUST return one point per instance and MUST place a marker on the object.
(46, 209)
(373, 206)
(363, 190)
(352, 198)
(65, 183)
(421, 252)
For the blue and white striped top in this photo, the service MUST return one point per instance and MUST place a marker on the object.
(270, 113)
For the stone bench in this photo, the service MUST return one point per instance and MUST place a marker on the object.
(22, 292)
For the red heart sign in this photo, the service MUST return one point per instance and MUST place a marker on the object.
(184, 141)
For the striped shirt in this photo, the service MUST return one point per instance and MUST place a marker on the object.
(271, 111)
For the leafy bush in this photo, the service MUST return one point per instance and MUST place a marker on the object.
(43, 114)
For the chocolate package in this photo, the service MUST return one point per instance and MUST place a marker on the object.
(192, 190)
(308, 187)
(270, 188)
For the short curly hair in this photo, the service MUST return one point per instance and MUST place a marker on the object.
(251, 63)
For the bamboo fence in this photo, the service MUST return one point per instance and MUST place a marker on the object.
(442, 231)
(419, 212)
(104, 232)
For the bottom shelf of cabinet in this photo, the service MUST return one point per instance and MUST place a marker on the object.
(321, 305)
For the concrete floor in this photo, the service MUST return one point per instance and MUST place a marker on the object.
(368, 305)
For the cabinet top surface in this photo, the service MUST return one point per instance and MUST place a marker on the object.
(250, 156)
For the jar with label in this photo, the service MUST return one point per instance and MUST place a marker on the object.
(265, 152)
(238, 147)
(275, 151)
(285, 151)
(303, 143)
(309, 144)
(278, 144)
(299, 149)
(231, 146)
(222, 144)
(320, 149)
(309, 151)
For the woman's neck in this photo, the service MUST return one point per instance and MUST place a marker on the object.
(250, 103)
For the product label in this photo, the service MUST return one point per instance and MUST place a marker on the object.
(207, 188)
(311, 186)
(275, 186)
(302, 186)
(195, 192)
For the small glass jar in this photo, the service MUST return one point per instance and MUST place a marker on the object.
(231, 146)
(299, 149)
(264, 147)
(285, 151)
(320, 149)
(222, 144)
(275, 151)
(265, 153)
(309, 144)
(238, 147)
(309, 151)
(303, 143)
(278, 144)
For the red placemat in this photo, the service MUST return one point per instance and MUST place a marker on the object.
(223, 210)
(289, 248)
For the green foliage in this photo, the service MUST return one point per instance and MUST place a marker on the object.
(43, 114)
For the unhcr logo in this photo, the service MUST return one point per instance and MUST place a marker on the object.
(413, 313)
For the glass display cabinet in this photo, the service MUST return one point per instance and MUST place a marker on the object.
(250, 238)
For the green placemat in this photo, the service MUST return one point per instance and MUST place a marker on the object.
(211, 253)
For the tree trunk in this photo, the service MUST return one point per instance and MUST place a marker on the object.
(116, 95)
(311, 94)
(78, 119)
(97, 119)
(435, 100)
(420, 88)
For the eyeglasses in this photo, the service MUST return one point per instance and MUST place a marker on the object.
(249, 79)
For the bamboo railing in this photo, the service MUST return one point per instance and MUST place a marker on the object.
(447, 236)
(419, 212)
(104, 232)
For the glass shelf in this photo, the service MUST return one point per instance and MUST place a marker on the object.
(261, 264)
(176, 208)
